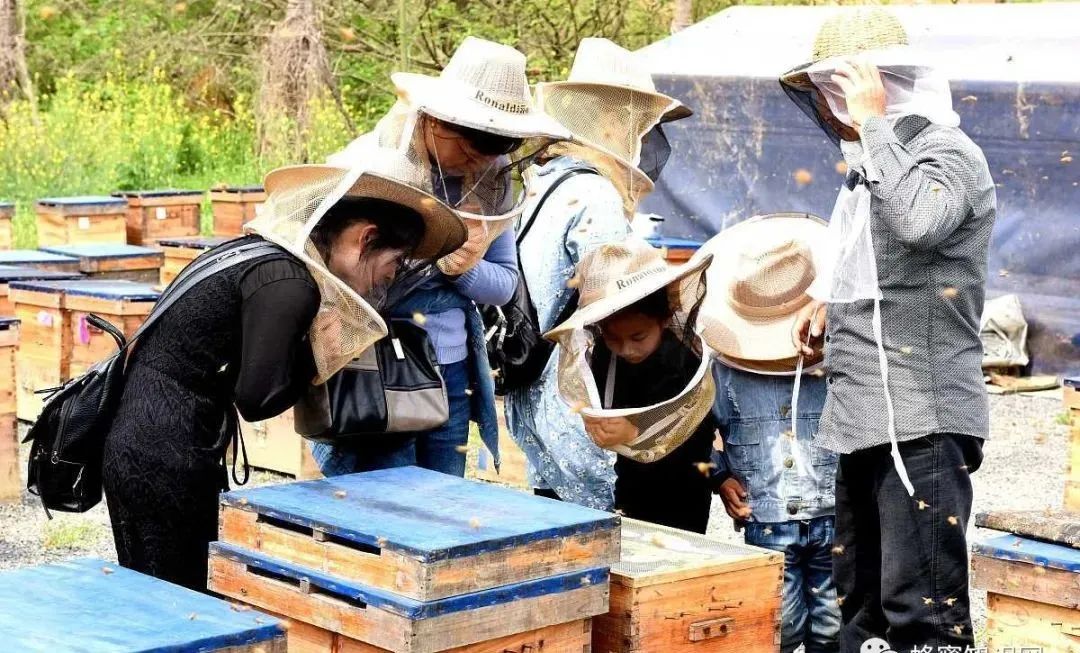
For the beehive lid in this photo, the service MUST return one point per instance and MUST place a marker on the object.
(6, 209)
(84, 200)
(6, 322)
(159, 192)
(404, 606)
(420, 513)
(99, 289)
(103, 251)
(239, 189)
(194, 242)
(1042, 554)
(33, 257)
(9, 273)
(94, 606)
(674, 243)
(654, 554)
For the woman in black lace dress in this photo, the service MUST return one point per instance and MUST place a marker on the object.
(239, 337)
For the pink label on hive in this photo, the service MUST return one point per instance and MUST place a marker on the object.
(45, 318)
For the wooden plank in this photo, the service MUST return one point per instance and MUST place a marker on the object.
(1015, 622)
(10, 481)
(275, 445)
(234, 209)
(96, 606)
(39, 260)
(1012, 547)
(657, 555)
(513, 470)
(375, 617)
(1058, 526)
(82, 205)
(44, 354)
(464, 536)
(1026, 581)
(55, 229)
(9, 344)
(7, 233)
(1070, 397)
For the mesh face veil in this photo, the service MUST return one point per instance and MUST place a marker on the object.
(299, 197)
(614, 277)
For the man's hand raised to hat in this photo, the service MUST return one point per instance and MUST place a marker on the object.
(808, 327)
(861, 83)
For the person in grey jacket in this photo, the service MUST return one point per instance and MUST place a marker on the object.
(906, 409)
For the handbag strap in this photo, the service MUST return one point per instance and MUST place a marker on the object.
(572, 172)
(198, 272)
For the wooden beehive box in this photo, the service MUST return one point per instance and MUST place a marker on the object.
(10, 273)
(417, 533)
(156, 214)
(181, 251)
(677, 592)
(1033, 593)
(10, 485)
(44, 356)
(7, 232)
(234, 207)
(676, 250)
(570, 637)
(94, 606)
(39, 260)
(84, 219)
(275, 445)
(396, 623)
(1071, 397)
(114, 261)
(124, 304)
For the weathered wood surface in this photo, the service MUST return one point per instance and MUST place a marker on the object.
(114, 260)
(419, 533)
(90, 219)
(1059, 526)
(396, 623)
(10, 481)
(10, 273)
(234, 207)
(679, 592)
(153, 215)
(39, 260)
(275, 445)
(1012, 547)
(1028, 569)
(1028, 625)
(179, 252)
(95, 606)
(44, 354)
(7, 232)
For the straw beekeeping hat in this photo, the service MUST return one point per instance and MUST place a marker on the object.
(483, 87)
(850, 32)
(608, 103)
(613, 277)
(297, 199)
(757, 284)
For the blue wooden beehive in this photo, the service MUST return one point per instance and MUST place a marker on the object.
(93, 606)
(114, 260)
(446, 561)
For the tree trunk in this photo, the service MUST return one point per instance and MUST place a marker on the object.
(14, 75)
(683, 15)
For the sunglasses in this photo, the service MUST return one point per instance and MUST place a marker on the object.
(483, 142)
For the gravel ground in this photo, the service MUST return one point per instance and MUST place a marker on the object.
(1024, 468)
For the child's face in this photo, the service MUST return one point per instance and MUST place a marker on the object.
(632, 336)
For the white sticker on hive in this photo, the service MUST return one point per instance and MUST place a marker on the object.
(161, 213)
(84, 223)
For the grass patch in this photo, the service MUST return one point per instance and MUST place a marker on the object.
(71, 534)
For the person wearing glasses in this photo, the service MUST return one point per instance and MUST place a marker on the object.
(466, 124)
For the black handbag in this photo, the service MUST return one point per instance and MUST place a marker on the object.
(394, 387)
(517, 349)
(69, 436)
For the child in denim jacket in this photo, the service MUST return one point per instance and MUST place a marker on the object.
(782, 503)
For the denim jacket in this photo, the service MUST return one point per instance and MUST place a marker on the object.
(754, 416)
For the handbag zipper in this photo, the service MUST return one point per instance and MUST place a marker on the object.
(64, 414)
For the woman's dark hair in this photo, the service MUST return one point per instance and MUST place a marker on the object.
(398, 226)
(656, 305)
(485, 142)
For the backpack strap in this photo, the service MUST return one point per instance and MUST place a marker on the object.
(572, 172)
(200, 270)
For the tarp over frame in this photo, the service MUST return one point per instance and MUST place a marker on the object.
(1016, 85)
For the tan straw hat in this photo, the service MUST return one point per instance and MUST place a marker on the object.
(393, 180)
(614, 276)
(756, 285)
(849, 32)
(482, 87)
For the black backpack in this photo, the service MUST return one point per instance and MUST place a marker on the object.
(517, 349)
(69, 436)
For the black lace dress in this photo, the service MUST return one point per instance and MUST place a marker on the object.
(240, 338)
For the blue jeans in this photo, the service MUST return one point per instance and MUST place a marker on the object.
(441, 450)
(809, 613)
